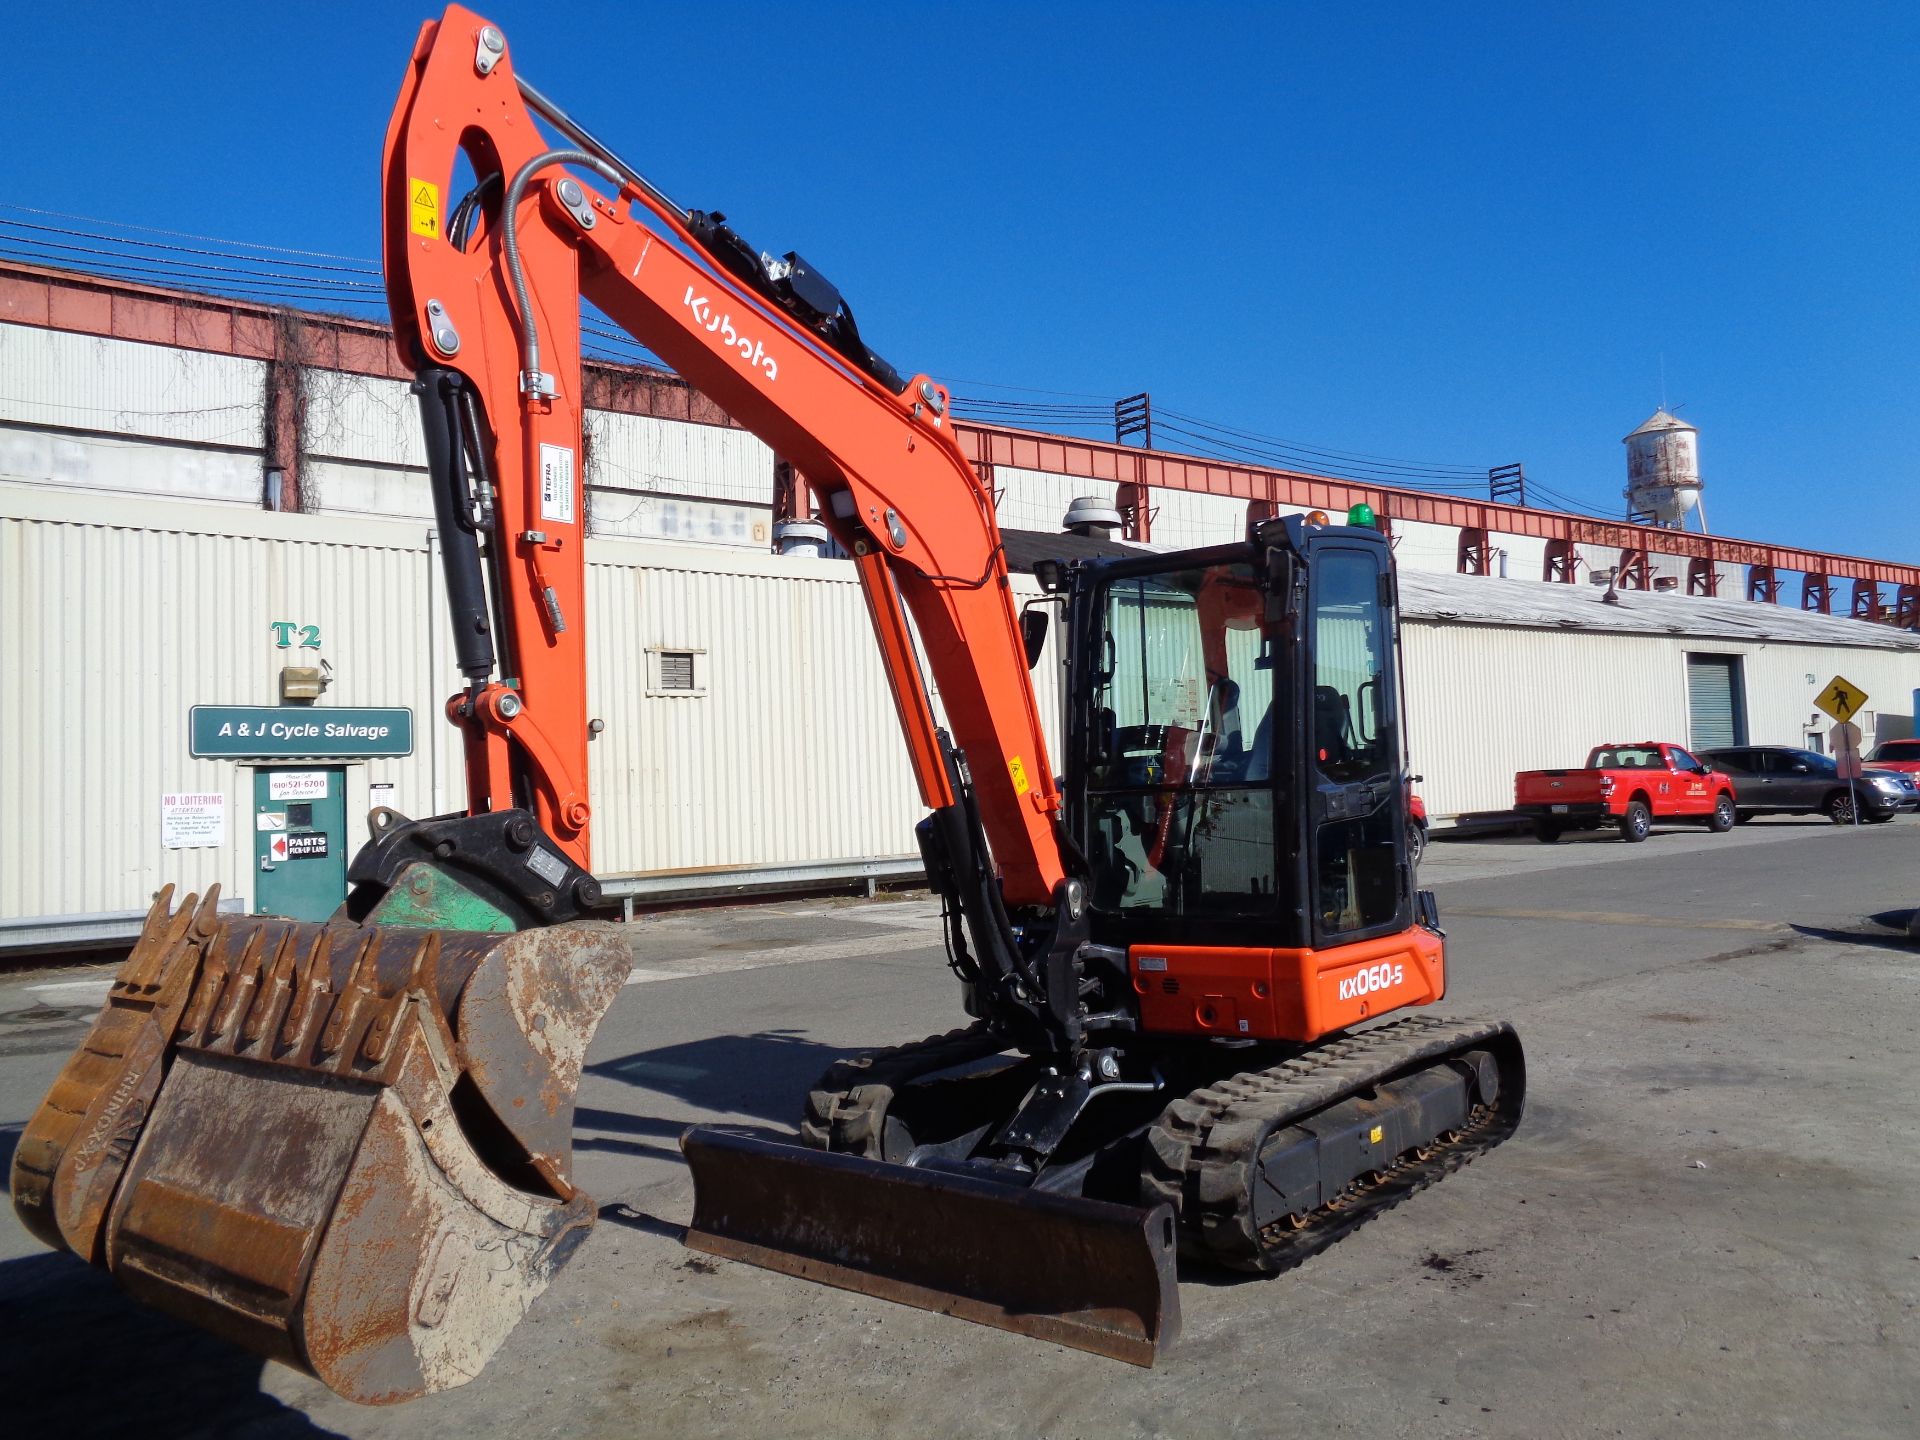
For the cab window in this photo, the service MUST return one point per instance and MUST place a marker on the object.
(1354, 746)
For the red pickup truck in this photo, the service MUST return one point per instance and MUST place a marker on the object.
(1630, 786)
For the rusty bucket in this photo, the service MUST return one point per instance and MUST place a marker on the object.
(345, 1147)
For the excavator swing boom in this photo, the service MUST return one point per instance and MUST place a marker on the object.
(348, 1145)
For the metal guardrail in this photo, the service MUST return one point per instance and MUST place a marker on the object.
(58, 934)
(722, 882)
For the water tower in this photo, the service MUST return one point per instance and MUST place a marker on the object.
(1663, 472)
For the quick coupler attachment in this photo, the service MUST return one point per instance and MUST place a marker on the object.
(1088, 1274)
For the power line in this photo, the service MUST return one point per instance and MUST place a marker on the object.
(181, 234)
(245, 269)
(357, 268)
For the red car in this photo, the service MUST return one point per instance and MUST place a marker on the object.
(1630, 786)
(1896, 755)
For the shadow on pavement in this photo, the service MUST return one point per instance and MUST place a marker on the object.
(1879, 939)
(766, 1075)
(619, 1214)
(80, 1358)
(669, 1131)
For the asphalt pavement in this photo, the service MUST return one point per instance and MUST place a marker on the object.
(1708, 1224)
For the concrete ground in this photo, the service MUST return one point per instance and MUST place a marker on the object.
(1709, 1223)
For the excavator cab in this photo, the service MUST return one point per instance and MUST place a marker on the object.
(1235, 770)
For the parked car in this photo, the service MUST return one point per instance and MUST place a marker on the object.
(1780, 780)
(1630, 786)
(1417, 821)
(1909, 781)
(1901, 755)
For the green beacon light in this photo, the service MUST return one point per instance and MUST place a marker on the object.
(1361, 514)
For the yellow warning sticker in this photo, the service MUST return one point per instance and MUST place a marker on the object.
(1376, 1135)
(424, 200)
(1017, 768)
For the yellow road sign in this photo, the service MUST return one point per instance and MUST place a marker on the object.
(1842, 698)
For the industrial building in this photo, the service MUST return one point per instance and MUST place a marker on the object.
(212, 503)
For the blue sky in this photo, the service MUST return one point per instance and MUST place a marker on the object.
(1454, 234)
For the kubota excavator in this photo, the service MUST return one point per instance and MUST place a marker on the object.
(348, 1145)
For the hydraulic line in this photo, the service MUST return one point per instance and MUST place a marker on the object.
(510, 243)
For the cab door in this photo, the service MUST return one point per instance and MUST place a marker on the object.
(1693, 793)
(1358, 879)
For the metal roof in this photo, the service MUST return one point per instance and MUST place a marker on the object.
(1659, 420)
(1023, 547)
(1489, 600)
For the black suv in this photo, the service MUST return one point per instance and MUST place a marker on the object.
(1779, 780)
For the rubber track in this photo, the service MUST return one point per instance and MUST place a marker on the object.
(847, 1107)
(1201, 1154)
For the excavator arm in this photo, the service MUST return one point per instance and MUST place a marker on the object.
(486, 306)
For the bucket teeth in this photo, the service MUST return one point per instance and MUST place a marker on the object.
(73, 1151)
(309, 987)
(337, 1033)
(270, 1001)
(237, 993)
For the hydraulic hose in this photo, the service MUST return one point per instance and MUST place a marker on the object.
(510, 241)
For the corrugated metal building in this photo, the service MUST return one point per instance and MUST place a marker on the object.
(116, 618)
(140, 575)
(1506, 675)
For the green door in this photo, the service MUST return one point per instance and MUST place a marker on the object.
(299, 840)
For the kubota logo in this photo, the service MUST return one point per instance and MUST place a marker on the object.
(1374, 977)
(716, 323)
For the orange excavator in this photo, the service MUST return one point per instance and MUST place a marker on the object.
(347, 1145)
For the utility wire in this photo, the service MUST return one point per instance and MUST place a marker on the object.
(346, 283)
(180, 234)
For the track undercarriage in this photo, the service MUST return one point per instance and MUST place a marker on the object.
(1249, 1158)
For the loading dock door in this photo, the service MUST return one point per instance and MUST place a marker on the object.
(1716, 702)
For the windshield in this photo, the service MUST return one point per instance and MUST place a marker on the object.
(1180, 800)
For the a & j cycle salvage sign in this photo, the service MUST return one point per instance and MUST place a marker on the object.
(272, 732)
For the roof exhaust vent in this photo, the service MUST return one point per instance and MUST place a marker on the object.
(1093, 517)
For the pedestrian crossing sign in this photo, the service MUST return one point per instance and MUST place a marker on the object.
(1841, 699)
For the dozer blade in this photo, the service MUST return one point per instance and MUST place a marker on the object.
(356, 1154)
(1088, 1274)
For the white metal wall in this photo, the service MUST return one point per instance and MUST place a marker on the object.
(115, 619)
(113, 623)
(84, 412)
(1485, 701)
(789, 751)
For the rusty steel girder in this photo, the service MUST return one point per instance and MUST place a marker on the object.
(345, 1147)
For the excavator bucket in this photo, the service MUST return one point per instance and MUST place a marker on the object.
(1088, 1274)
(345, 1147)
